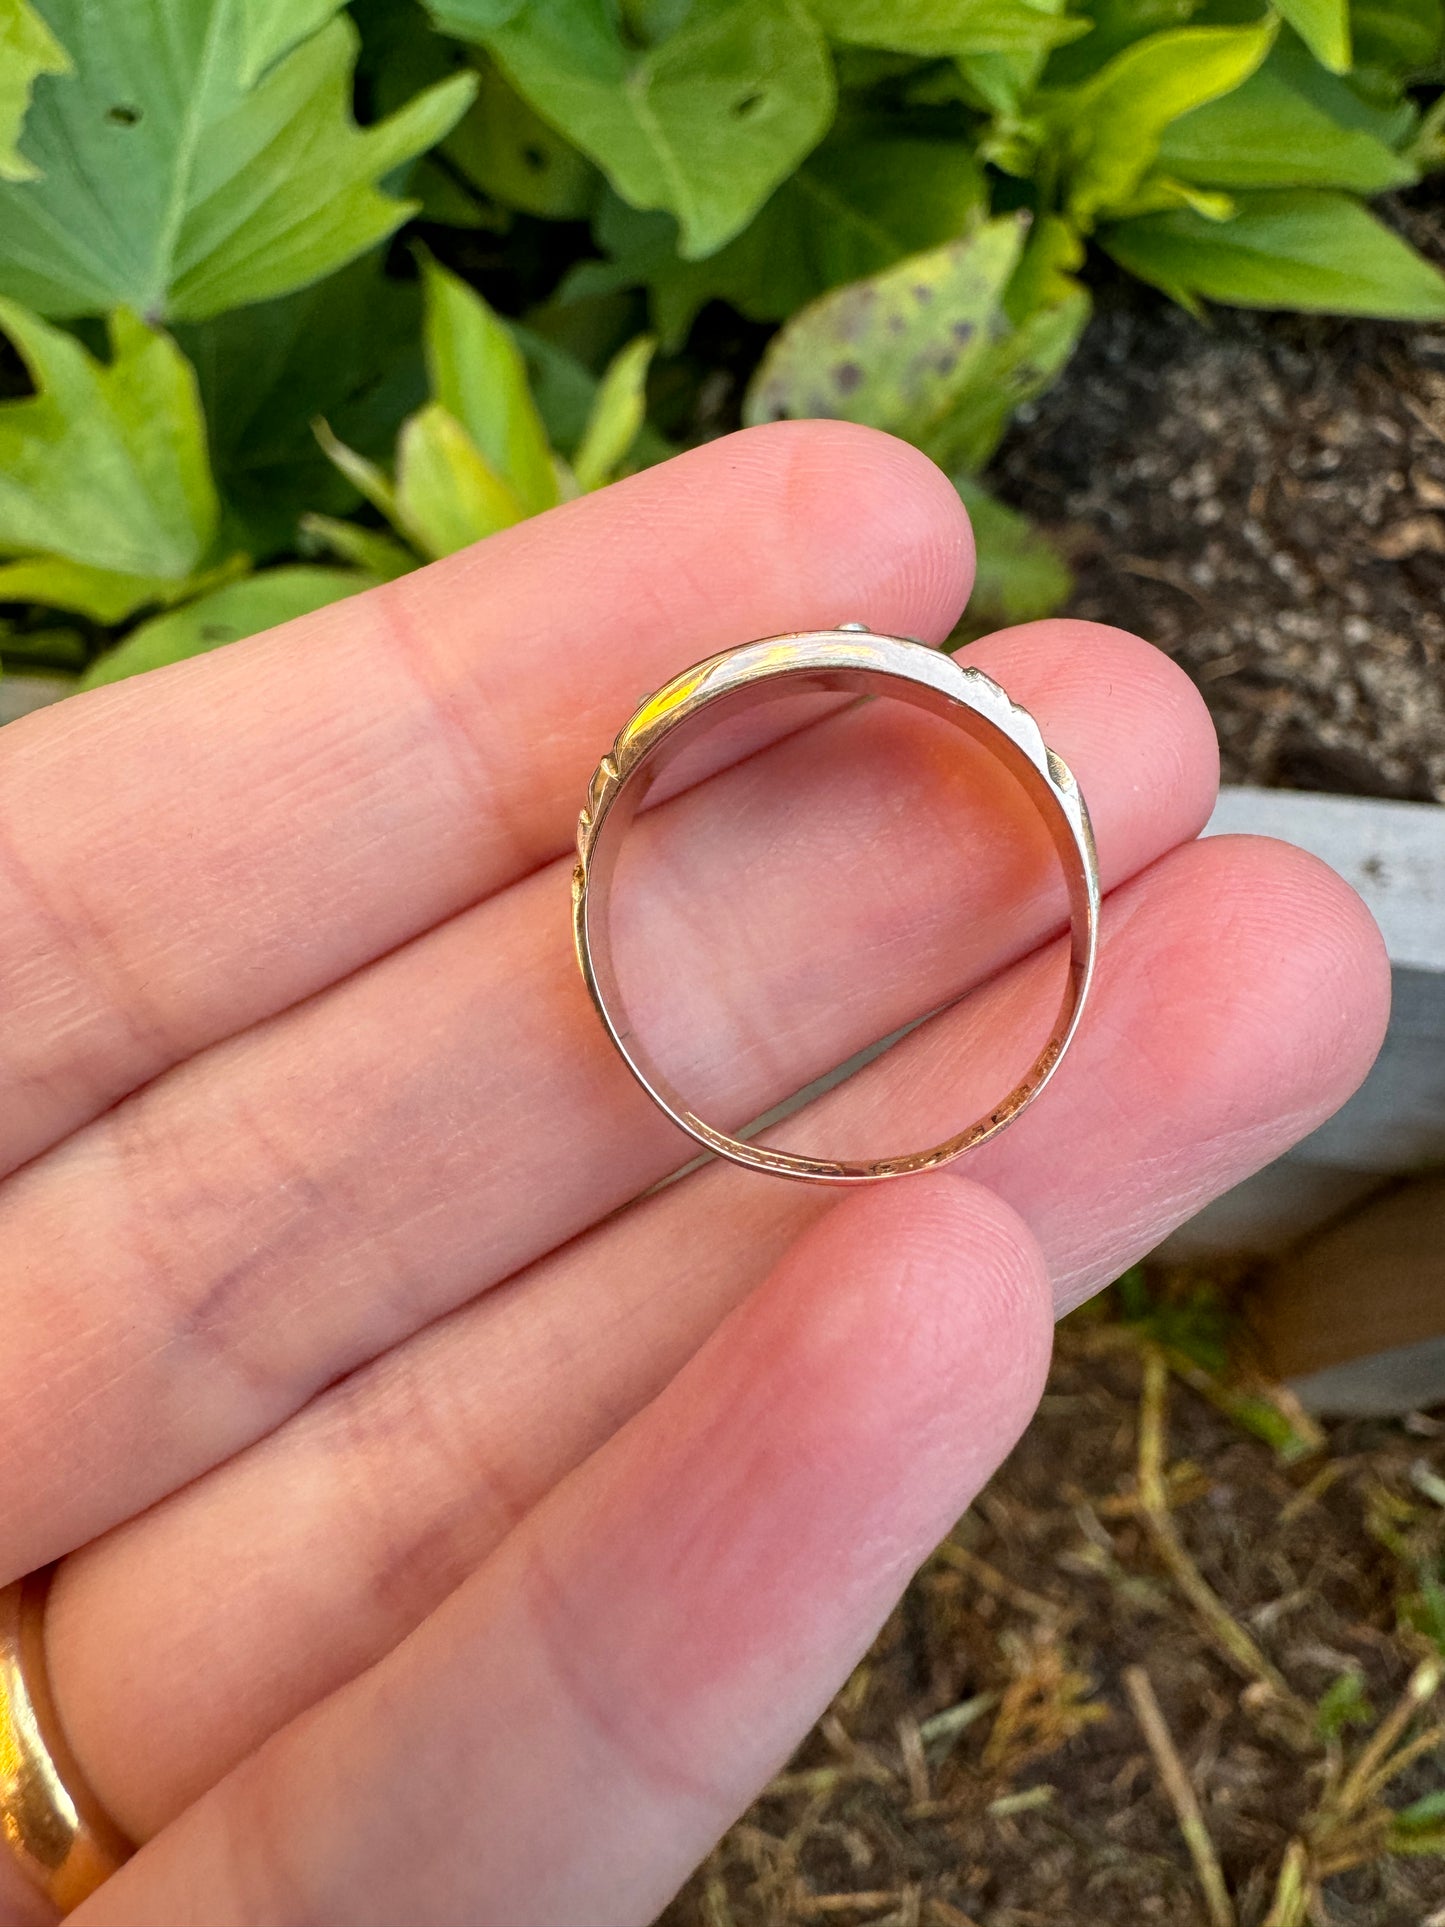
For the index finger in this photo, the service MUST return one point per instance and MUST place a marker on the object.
(188, 853)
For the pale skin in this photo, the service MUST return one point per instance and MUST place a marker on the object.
(445, 1537)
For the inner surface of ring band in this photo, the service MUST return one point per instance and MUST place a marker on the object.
(610, 835)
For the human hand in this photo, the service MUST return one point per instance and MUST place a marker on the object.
(441, 1541)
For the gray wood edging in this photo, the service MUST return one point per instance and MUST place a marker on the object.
(1394, 855)
(20, 694)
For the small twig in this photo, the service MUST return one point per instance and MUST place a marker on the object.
(1158, 572)
(942, 1729)
(1032, 1797)
(820, 1906)
(823, 1779)
(1182, 1797)
(1423, 1743)
(1231, 1637)
(943, 1913)
(999, 1583)
(1309, 1494)
(915, 1764)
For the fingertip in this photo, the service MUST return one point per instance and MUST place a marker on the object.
(959, 1304)
(1286, 982)
(1331, 961)
(1103, 680)
(888, 517)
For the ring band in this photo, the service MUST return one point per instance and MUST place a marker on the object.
(56, 1828)
(851, 660)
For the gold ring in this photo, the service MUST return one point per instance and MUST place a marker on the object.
(57, 1829)
(851, 660)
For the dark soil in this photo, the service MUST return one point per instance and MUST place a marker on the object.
(1263, 496)
(1044, 1808)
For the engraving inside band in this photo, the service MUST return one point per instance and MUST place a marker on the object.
(865, 895)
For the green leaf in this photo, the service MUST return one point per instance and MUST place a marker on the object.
(59, 649)
(1269, 1418)
(1019, 574)
(1426, 1813)
(855, 206)
(705, 123)
(617, 415)
(1109, 128)
(1419, 1828)
(366, 549)
(369, 480)
(563, 387)
(1343, 1703)
(28, 49)
(447, 493)
(241, 609)
(472, 19)
(566, 391)
(505, 148)
(177, 182)
(948, 27)
(1424, 1611)
(478, 375)
(1004, 81)
(1324, 27)
(105, 595)
(1160, 191)
(1399, 38)
(1025, 334)
(1290, 125)
(903, 350)
(1119, 23)
(444, 199)
(1301, 248)
(348, 349)
(1018, 366)
(1046, 309)
(104, 482)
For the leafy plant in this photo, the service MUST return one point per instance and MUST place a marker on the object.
(476, 457)
(895, 200)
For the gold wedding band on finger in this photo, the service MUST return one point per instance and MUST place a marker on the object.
(56, 1828)
(852, 661)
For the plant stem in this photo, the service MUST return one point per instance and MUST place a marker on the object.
(1369, 1775)
(1291, 1889)
(1230, 1636)
(1182, 1797)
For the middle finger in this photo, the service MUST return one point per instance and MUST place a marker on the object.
(412, 1136)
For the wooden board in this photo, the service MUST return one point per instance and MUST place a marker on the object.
(20, 694)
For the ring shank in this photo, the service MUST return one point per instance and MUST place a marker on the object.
(62, 1838)
(827, 662)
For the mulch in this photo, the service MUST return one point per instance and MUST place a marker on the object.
(1264, 497)
(986, 1765)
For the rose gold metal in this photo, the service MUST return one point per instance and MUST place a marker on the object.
(55, 1826)
(851, 660)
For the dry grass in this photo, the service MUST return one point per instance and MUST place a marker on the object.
(1180, 1663)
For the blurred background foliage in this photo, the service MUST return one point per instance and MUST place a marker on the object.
(298, 296)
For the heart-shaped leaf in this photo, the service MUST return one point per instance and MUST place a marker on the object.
(202, 156)
(704, 122)
(28, 49)
(105, 488)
